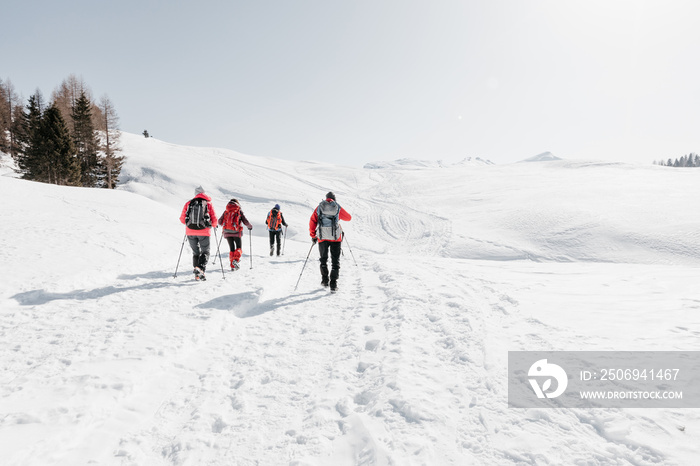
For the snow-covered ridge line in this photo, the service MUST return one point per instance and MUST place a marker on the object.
(543, 157)
(416, 164)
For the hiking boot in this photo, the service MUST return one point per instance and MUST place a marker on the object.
(324, 281)
(234, 265)
(334, 279)
(199, 274)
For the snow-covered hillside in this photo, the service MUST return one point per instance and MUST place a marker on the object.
(543, 157)
(108, 359)
(413, 164)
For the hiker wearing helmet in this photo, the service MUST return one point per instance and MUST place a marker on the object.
(274, 222)
(197, 216)
(325, 229)
(231, 221)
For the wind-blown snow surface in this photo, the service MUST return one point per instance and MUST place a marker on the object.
(107, 359)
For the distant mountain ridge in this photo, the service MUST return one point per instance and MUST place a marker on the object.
(543, 157)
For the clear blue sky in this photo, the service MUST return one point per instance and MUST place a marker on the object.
(355, 81)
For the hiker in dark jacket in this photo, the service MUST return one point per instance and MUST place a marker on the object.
(325, 229)
(231, 222)
(274, 222)
(198, 235)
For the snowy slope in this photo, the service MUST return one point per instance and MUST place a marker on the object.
(414, 164)
(108, 359)
(8, 167)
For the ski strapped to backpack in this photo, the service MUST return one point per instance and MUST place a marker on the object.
(328, 221)
(197, 217)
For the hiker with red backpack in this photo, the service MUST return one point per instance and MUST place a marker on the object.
(196, 215)
(231, 221)
(274, 222)
(325, 229)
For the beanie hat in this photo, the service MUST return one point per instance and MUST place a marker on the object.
(277, 207)
(330, 195)
(198, 190)
(234, 201)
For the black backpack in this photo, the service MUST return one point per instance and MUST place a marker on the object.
(197, 217)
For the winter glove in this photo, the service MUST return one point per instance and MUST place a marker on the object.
(250, 228)
(314, 240)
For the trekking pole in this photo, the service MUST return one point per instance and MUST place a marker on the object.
(250, 237)
(178, 257)
(353, 255)
(284, 243)
(302, 269)
(223, 275)
(217, 248)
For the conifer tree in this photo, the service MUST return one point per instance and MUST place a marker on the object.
(48, 156)
(58, 149)
(85, 141)
(30, 161)
(66, 95)
(690, 161)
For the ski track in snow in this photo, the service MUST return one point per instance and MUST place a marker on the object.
(404, 365)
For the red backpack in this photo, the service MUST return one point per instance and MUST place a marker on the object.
(232, 218)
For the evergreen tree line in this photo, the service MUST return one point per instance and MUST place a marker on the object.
(71, 140)
(690, 160)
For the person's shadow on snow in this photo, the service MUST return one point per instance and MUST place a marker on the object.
(247, 304)
(39, 297)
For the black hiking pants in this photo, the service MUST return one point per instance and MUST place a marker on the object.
(200, 250)
(234, 242)
(275, 235)
(324, 247)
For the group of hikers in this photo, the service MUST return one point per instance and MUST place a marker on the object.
(199, 217)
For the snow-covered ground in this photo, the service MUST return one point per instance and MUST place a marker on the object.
(109, 360)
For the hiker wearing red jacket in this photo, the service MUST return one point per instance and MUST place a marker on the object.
(325, 229)
(231, 221)
(197, 215)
